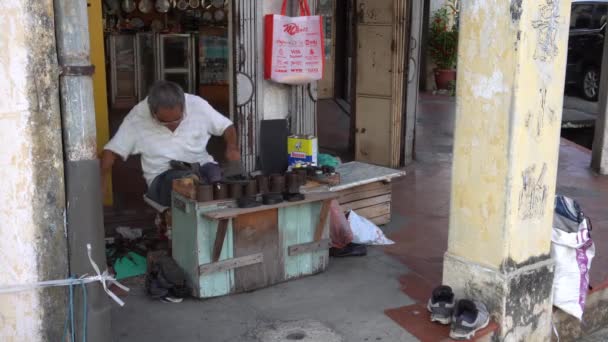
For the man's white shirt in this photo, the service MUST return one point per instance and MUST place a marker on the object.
(141, 133)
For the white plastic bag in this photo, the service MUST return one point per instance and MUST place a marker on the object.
(572, 250)
(365, 232)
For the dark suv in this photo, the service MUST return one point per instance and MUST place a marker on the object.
(585, 46)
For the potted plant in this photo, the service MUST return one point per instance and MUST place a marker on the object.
(443, 45)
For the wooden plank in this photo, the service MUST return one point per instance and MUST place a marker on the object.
(257, 233)
(357, 196)
(381, 220)
(222, 226)
(399, 56)
(229, 264)
(309, 247)
(367, 202)
(322, 220)
(365, 187)
(234, 212)
(375, 211)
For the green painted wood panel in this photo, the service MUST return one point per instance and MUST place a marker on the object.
(297, 225)
(192, 242)
(183, 240)
(218, 283)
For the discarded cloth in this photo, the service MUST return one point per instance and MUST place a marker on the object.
(130, 265)
(339, 228)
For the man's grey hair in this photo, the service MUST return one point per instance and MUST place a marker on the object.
(165, 94)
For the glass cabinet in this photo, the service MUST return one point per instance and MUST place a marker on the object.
(177, 60)
(123, 74)
(138, 60)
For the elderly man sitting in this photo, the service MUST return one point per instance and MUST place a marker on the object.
(170, 126)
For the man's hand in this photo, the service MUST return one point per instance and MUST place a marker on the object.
(232, 150)
(233, 154)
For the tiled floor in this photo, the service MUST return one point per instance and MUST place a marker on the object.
(405, 277)
(421, 199)
(421, 204)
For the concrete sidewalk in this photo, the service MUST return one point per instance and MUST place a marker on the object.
(348, 301)
(345, 303)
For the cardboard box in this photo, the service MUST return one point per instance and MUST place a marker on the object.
(302, 149)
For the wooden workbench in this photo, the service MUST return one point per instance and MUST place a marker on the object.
(364, 188)
(225, 250)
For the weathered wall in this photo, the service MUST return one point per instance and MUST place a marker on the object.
(32, 202)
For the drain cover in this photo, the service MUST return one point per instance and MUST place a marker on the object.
(306, 331)
(296, 336)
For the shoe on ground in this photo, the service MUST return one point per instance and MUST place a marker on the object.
(351, 250)
(469, 317)
(441, 305)
(170, 299)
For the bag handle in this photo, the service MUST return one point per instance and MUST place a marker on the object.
(304, 8)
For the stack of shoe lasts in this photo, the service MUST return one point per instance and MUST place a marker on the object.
(277, 187)
(466, 316)
(292, 192)
(249, 200)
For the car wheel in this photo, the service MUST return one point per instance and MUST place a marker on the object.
(590, 86)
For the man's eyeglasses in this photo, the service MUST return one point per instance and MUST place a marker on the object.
(169, 123)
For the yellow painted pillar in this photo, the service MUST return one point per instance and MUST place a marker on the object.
(511, 70)
(99, 81)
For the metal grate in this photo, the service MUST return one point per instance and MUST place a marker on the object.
(246, 44)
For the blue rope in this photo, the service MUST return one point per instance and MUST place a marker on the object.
(84, 311)
(65, 328)
(70, 316)
(73, 333)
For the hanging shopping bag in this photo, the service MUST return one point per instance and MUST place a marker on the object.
(294, 47)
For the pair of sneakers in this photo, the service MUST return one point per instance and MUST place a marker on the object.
(465, 316)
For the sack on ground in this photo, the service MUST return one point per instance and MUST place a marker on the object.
(572, 249)
(366, 232)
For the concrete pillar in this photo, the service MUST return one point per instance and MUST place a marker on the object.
(33, 243)
(511, 66)
(599, 156)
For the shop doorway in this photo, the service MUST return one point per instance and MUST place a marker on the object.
(361, 107)
(189, 43)
(334, 119)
